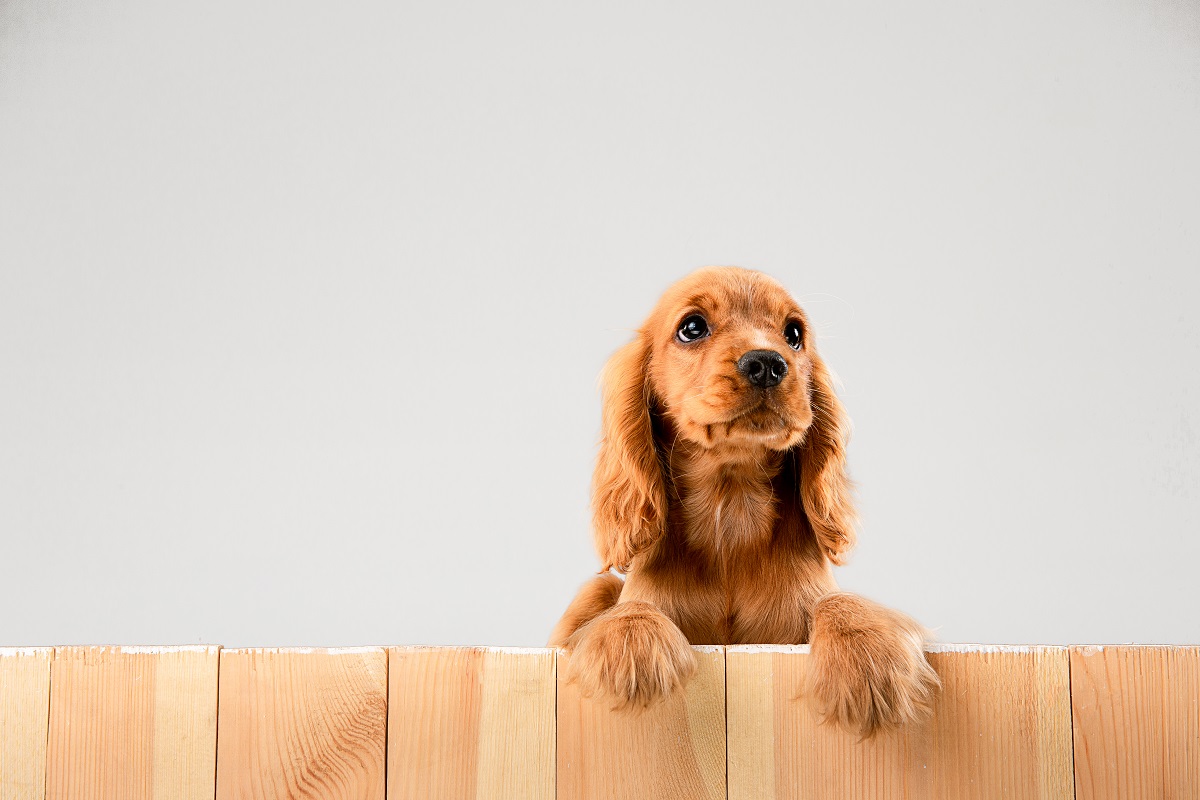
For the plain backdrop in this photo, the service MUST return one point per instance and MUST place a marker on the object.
(302, 304)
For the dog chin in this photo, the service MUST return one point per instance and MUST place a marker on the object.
(780, 438)
(755, 429)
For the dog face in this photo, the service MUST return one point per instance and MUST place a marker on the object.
(725, 361)
(729, 363)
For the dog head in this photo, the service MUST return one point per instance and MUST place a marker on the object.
(726, 361)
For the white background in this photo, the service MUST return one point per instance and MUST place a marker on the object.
(302, 304)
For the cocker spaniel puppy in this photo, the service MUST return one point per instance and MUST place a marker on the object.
(721, 492)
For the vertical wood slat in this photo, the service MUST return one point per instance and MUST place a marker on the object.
(1001, 729)
(128, 723)
(24, 718)
(672, 750)
(302, 723)
(1136, 721)
(471, 723)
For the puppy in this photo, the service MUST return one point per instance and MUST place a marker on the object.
(721, 493)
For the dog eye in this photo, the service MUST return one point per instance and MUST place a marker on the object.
(794, 334)
(692, 328)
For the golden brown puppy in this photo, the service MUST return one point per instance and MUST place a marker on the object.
(721, 491)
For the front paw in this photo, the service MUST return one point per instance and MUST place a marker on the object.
(632, 654)
(868, 667)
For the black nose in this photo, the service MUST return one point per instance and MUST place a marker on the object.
(763, 368)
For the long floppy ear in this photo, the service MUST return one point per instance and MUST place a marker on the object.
(825, 488)
(629, 499)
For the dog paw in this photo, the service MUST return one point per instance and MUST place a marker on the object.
(632, 655)
(868, 668)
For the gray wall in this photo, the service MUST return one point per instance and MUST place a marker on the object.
(302, 304)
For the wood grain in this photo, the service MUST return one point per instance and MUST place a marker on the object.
(673, 750)
(1136, 721)
(1001, 729)
(132, 722)
(302, 723)
(24, 710)
(471, 723)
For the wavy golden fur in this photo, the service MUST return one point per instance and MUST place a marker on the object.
(721, 492)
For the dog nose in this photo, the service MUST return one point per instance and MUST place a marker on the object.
(763, 368)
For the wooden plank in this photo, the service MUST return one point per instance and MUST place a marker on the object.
(1136, 719)
(24, 710)
(471, 723)
(302, 723)
(132, 722)
(672, 750)
(1001, 729)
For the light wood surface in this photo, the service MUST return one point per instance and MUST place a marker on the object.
(302, 723)
(1001, 729)
(471, 723)
(24, 709)
(1137, 722)
(128, 723)
(673, 750)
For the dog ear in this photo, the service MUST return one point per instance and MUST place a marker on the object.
(629, 500)
(825, 488)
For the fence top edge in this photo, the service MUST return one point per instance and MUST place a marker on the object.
(932, 647)
(1091, 649)
(305, 651)
(519, 651)
(25, 652)
(978, 647)
(133, 649)
(767, 648)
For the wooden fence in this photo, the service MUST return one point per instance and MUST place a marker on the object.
(420, 722)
